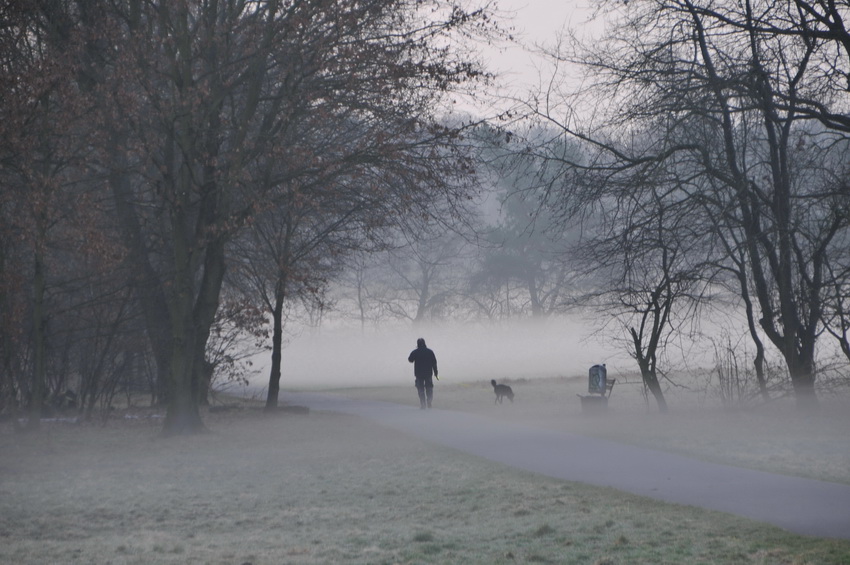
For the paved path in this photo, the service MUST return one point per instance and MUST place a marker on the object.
(804, 506)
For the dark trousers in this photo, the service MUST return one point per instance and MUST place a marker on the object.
(425, 388)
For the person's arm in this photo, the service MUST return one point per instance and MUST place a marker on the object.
(412, 356)
(434, 359)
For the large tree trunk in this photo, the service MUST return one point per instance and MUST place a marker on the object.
(803, 382)
(145, 280)
(801, 367)
(191, 319)
(182, 414)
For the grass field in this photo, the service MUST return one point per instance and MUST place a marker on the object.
(329, 488)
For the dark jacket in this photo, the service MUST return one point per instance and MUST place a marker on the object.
(424, 362)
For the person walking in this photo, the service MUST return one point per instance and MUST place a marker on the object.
(424, 366)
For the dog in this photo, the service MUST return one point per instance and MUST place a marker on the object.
(502, 391)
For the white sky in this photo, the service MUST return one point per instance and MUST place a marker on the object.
(534, 22)
(519, 71)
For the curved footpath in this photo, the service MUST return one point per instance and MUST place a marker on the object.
(803, 506)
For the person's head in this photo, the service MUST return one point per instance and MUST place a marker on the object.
(420, 342)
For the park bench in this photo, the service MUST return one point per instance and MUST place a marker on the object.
(599, 388)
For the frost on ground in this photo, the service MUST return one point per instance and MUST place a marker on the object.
(327, 488)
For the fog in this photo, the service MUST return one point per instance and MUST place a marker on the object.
(465, 352)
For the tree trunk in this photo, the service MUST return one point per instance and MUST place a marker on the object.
(277, 348)
(650, 380)
(145, 279)
(804, 391)
(774, 287)
(758, 364)
(648, 373)
(7, 374)
(424, 297)
(534, 296)
(182, 414)
(801, 366)
(204, 317)
(192, 304)
(758, 361)
(39, 349)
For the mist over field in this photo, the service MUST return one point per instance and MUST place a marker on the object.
(465, 352)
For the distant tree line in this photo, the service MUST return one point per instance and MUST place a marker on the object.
(508, 257)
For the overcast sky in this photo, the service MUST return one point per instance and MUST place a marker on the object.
(535, 22)
(532, 23)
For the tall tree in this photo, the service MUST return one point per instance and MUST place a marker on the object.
(363, 149)
(43, 158)
(216, 98)
(204, 114)
(734, 85)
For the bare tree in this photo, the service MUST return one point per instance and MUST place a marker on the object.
(189, 103)
(46, 204)
(240, 83)
(729, 95)
(648, 259)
